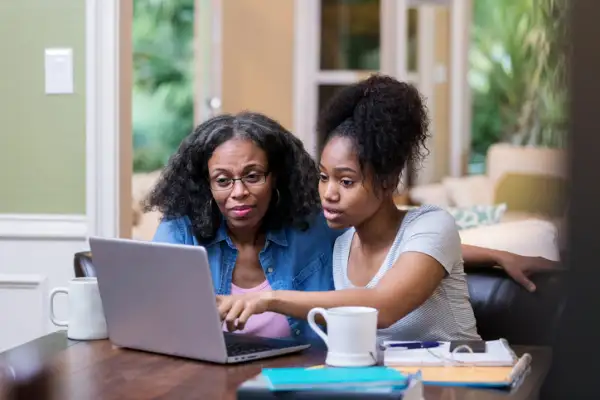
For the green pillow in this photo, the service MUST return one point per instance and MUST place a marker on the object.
(478, 215)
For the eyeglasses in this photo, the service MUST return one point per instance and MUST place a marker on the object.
(250, 180)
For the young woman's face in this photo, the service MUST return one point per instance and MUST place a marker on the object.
(346, 194)
(240, 182)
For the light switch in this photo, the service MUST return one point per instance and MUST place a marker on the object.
(59, 71)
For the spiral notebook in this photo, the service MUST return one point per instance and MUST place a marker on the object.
(498, 354)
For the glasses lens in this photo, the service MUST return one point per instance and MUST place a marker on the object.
(254, 179)
(221, 184)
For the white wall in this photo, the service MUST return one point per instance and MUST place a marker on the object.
(36, 255)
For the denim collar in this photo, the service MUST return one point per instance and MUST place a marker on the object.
(277, 236)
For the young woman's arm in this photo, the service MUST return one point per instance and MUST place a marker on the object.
(517, 266)
(430, 250)
(406, 286)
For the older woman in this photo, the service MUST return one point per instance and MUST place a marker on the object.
(245, 188)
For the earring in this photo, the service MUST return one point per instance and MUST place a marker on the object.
(278, 197)
(212, 203)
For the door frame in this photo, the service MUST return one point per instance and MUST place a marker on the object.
(108, 68)
(461, 21)
(307, 73)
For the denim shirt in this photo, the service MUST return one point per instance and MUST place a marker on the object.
(291, 259)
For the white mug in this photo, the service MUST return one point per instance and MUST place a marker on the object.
(351, 337)
(86, 315)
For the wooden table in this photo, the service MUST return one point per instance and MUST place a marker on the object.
(98, 370)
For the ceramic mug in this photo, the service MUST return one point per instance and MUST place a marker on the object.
(86, 315)
(351, 337)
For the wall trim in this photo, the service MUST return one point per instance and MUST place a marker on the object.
(21, 281)
(43, 226)
(102, 117)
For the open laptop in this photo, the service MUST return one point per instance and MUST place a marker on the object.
(159, 297)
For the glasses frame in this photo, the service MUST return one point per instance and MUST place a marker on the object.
(241, 179)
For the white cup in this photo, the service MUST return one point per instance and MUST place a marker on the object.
(351, 337)
(86, 315)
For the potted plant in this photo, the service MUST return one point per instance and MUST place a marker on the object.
(518, 75)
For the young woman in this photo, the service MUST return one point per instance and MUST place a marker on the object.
(244, 187)
(406, 264)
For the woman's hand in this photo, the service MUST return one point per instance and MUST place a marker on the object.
(521, 267)
(235, 310)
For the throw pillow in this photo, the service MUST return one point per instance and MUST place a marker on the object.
(478, 215)
(468, 191)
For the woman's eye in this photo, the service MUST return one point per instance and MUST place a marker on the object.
(323, 177)
(347, 182)
(222, 181)
(252, 178)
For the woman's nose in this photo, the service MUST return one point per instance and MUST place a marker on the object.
(331, 193)
(238, 189)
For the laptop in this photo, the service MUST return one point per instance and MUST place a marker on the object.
(159, 297)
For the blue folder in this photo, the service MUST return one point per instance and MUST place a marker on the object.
(333, 378)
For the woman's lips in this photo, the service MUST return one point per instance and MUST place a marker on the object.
(331, 214)
(241, 212)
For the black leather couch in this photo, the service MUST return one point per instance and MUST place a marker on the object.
(503, 308)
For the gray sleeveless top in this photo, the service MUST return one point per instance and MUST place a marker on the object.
(447, 314)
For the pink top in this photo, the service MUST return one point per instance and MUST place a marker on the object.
(267, 324)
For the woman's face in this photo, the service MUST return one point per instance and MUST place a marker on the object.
(346, 194)
(240, 182)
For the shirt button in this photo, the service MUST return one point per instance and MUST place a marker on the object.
(270, 270)
(297, 332)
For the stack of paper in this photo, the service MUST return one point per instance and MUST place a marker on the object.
(498, 354)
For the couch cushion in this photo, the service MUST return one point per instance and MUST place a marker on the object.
(531, 237)
(532, 193)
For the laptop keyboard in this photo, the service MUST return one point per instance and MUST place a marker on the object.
(241, 349)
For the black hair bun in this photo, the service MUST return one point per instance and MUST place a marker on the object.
(387, 120)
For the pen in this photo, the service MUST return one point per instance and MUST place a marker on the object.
(413, 345)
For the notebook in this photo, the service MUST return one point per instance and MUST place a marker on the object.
(498, 354)
(492, 377)
(332, 378)
(258, 388)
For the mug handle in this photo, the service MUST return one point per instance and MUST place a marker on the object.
(53, 318)
(311, 322)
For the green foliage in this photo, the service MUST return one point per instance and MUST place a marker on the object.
(517, 73)
(163, 102)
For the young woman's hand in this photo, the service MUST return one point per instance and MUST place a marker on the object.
(235, 310)
(521, 267)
